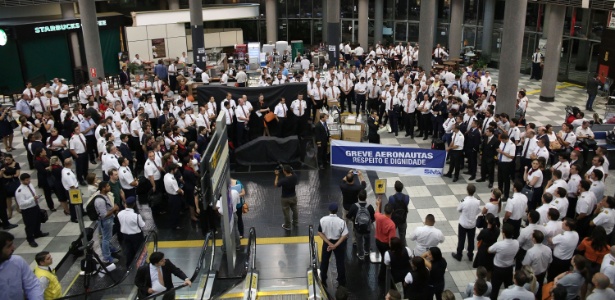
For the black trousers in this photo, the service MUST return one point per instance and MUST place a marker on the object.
(393, 116)
(504, 171)
(132, 243)
(172, 82)
(519, 258)
(382, 248)
(536, 70)
(426, 122)
(372, 104)
(92, 151)
(3, 216)
(32, 221)
(409, 120)
(557, 266)
(572, 205)
(516, 225)
(472, 161)
(81, 166)
(175, 204)
(347, 99)
(461, 240)
(456, 157)
(540, 279)
(322, 154)
(242, 134)
(360, 103)
(487, 168)
(499, 276)
(340, 260)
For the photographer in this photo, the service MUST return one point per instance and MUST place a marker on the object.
(351, 185)
(289, 197)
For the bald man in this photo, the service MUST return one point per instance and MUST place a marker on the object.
(602, 291)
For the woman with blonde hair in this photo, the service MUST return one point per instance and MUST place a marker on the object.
(55, 167)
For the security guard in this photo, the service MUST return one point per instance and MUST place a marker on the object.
(127, 181)
(175, 195)
(152, 173)
(131, 225)
(27, 200)
(333, 231)
(47, 277)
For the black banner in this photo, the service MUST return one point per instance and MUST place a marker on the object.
(269, 151)
(272, 94)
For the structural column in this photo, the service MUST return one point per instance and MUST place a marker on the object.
(173, 4)
(363, 23)
(488, 29)
(91, 37)
(454, 32)
(333, 30)
(378, 20)
(557, 13)
(272, 21)
(68, 12)
(426, 33)
(198, 38)
(512, 46)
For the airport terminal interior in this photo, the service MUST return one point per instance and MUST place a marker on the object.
(271, 262)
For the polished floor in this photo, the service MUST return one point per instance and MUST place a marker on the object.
(316, 189)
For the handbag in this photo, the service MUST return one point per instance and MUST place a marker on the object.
(14, 124)
(546, 291)
(245, 208)
(270, 116)
(44, 216)
(480, 221)
(528, 192)
(590, 143)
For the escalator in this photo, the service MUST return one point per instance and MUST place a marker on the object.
(285, 271)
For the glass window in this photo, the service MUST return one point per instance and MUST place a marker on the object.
(414, 9)
(262, 30)
(317, 26)
(294, 8)
(281, 8)
(283, 30)
(531, 17)
(597, 25)
(401, 11)
(347, 8)
(306, 9)
(400, 31)
(469, 36)
(470, 8)
(444, 11)
(413, 32)
(299, 30)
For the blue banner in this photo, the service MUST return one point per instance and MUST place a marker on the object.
(393, 159)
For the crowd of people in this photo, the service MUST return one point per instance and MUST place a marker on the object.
(155, 128)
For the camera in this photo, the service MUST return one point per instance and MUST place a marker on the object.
(279, 167)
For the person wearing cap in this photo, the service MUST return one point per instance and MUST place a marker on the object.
(131, 224)
(334, 232)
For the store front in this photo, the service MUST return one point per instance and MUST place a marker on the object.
(39, 49)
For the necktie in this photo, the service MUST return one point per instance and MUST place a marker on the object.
(49, 103)
(373, 90)
(160, 279)
(319, 94)
(527, 147)
(300, 109)
(92, 90)
(146, 84)
(101, 93)
(453, 140)
(501, 154)
(31, 96)
(284, 108)
(42, 105)
(154, 110)
(391, 105)
(32, 192)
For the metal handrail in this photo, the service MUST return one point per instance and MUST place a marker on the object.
(211, 261)
(314, 261)
(250, 264)
(132, 267)
(196, 272)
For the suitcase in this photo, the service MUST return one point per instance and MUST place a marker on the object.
(437, 144)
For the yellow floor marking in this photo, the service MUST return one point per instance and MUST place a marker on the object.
(558, 87)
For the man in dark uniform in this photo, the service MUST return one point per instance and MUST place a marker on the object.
(322, 140)
(372, 124)
(472, 144)
(488, 146)
(592, 91)
(438, 107)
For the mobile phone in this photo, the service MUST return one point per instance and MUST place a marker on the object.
(355, 172)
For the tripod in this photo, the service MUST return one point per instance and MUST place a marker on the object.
(92, 265)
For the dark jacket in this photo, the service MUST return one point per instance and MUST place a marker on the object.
(592, 86)
(350, 192)
(472, 141)
(322, 134)
(354, 209)
(124, 78)
(489, 148)
(372, 134)
(143, 280)
(125, 150)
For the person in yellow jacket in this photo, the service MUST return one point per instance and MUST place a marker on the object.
(49, 281)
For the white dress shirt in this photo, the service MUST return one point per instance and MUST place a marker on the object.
(426, 237)
(469, 208)
(505, 252)
(517, 206)
(565, 244)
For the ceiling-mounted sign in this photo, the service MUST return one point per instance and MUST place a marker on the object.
(64, 27)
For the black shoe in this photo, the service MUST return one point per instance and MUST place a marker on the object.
(179, 228)
(33, 244)
(467, 173)
(481, 180)
(53, 209)
(448, 175)
(420, 135)
(93, 162)
(42, 234)
(9, 226)
(455, 179)
(83, 183)
(470, 257)
(590, 110)
(116, 254)
(472, 178)
(74, 220)
(407, 135)
(456, 256)
(425, 138)
(396, 134)
(490, 184)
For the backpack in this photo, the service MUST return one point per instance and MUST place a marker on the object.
(90, 209)
(362, 220)
(400, 210)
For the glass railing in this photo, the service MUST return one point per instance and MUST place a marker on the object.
(114, 284)
(250, 264)
(198, 279)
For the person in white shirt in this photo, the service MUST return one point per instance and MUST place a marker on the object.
(455, 152)
(597, 185)
(426, 236)
(243, 117)
(360, 91)
(298, 107)
(584, 208)
(525, 236)
(560, 201)
(469, 208)
(504, 260)
(564, 245)
(175, 195)
(608, 265)
(136, 60)
(224, 78)
(553, 226)
(584, 134)
(506, 154)
(410, 107)
(605, 216)
(518, 290)
(515, 208)
(533, 178)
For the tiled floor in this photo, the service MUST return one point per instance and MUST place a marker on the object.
(437, 196)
